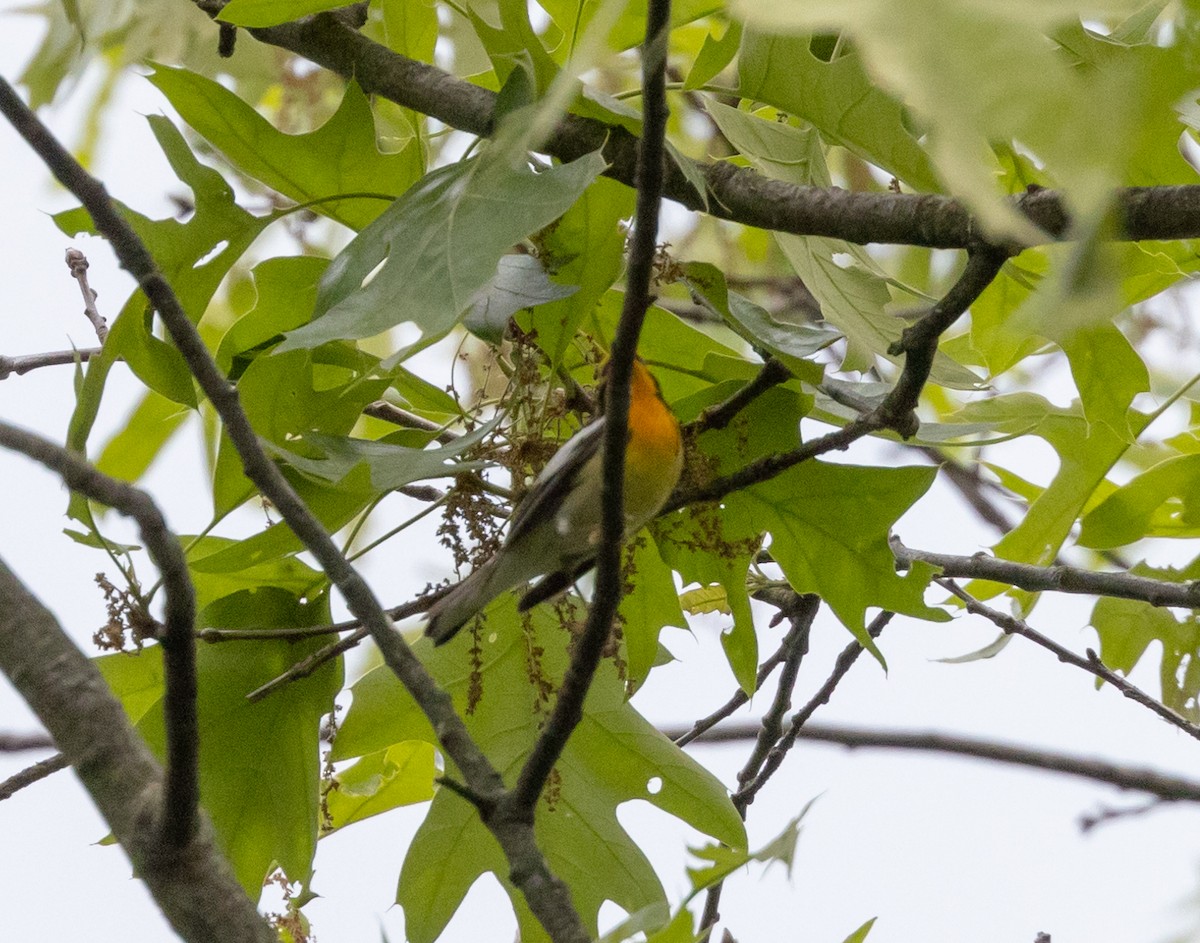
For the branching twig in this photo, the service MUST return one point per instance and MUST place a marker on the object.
(568, 710)
(182, 793)
(898, 409)
(1091, 664)
(800, 610)
(1061, 579)
(32, 774)
(194, 885)
(845, 661)
(1170, 788)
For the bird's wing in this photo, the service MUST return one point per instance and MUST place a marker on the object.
(546, 493)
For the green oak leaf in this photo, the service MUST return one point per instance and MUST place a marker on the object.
(341, 156)
(439, 244)
(615, 755)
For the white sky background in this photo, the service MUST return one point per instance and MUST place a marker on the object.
(937, 848)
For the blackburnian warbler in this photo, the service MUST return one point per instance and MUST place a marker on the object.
(554, 531)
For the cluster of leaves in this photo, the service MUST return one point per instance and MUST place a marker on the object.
(868, 95)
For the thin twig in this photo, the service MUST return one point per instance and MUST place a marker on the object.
(1165, 786)
(800, 610)
(568, 710)
(78, 264)
(20, 742)
(1091, 663)
(397, 416)
(182, 792)
(739, 698)
(773, 373)
(898, 409)
(1060, 579)
(845, 661)
(32, 774)
(10, 366)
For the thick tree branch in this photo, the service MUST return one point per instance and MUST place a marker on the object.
(548, 898)
(192, 883)
(181, 797)
(568, 710)
(1059, 579)
(1171, 788)
(733, 193)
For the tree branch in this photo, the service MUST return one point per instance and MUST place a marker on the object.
(548, 898)
(1171, 788)
(568, 710)
(733, 193)
(181, 797)
(898, 409)
(1060, 579)
(192, 883)
(1092, 664)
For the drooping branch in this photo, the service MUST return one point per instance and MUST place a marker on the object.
(1165, 786)
(192, 883)
(568, 710)
(1091, 663)
(733, 193)
(181, 796)
(548, 897)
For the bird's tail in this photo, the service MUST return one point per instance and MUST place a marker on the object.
(452, 611)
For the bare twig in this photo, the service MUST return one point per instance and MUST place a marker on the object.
(800, 610)
(773, 373)
(20, 742)
(78, 264)
(1165, 786)
(57, 358)
(1061, 579)
(397, 416)
(182, 794)
(568, 710)
(32, 774)
(845, 661)
(1091, 663)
